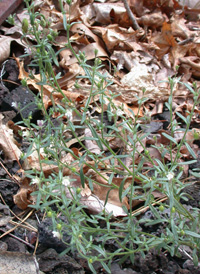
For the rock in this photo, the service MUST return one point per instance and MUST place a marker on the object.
(15, 245)
(7, 190)
(3, 246)
(115, 268)
(50, 261)
(22, 101)
(48, 240)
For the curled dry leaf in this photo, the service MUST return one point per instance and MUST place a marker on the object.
(5, 43)
(93, 202)
(180, 29)
(5, 48)
(116, 37)
(194, 4)
(68, 79)
(89, 50)
(23, 197)
(32, 162)
(83, 29)
(154, 20)
(141, 78)
(95, 206)
(90, 144)
(102, 187)
(164, 40)
(7, 142)
(193, 62)
(104, 12)
(48, 91)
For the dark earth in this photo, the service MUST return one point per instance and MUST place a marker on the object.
(49, 247)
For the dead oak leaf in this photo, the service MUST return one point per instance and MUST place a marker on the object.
(23, 197)
(153, 20)
(101, 188)
(164, 40)
(49, 92)
(7, 142)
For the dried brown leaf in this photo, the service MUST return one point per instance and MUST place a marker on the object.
(7, 142)
(101, 188)
(68, 59)
(23, 197)
(108, 13)
(5, 43)
(48, 91)
(153, 20)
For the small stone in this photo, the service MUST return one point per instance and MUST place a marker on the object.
(3, 246)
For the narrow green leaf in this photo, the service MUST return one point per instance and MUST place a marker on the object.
(106, 267)
(65, 251)
(160, 164)
(64, 21)
(190, 150)
(191, 233)
(182, 210)
(82, 249)
(155, 222)
(195, 257)
(110, 178)
(174, 230)
(95, 135)
(92, 268)
(29, 152)
(182, 117)
(195, 174)
(154, 211)
(52, 52)
(189, 87)
(106, 200)
(100, 250)
(121, 187)
(167, 105)
(83, 118)
(169, 138)
(132, 258)
(82, 177)
(187, 162)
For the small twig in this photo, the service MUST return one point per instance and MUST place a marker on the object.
(12, 229)
(37, 218)
(143, 209)
(182, 251)
(19, 239)
(9, 81)
(186, 41)
(36, 245)
(130, 14)
(11, 177)
(25, 225)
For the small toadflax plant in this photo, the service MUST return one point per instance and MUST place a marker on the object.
(60, 193)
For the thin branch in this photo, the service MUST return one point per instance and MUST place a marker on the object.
(130, 14)
(19, 239)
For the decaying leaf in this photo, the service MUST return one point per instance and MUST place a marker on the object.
(23, 197)
(137, 65)
(7, 142)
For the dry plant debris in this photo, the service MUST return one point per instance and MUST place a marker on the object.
(144, 59)
(138, 60)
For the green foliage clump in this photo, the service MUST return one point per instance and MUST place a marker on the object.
(88, 237)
